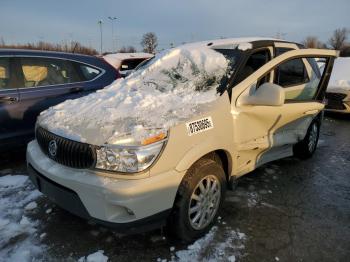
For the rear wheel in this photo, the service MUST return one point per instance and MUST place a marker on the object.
(306, 148)
(200, 196)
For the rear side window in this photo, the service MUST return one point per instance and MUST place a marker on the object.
(291, 73)
(89, 72)
(42, 71)
(4, 73)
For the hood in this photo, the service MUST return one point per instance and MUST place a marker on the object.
(175, 86)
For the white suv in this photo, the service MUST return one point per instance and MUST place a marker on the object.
(164, 144)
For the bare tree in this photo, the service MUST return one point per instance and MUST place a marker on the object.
(312, 42)
(127, 49)
(337, 41)
(149, 42)
(2, 41)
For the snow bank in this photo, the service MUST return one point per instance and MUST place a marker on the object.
(176, 85)
(340, 77)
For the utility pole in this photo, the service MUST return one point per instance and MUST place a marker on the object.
(100, 22)
(113, 18)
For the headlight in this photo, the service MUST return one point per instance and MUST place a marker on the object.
(129, 159)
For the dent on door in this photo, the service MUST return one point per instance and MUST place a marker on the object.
(267, 133)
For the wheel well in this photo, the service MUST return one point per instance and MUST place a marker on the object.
(223, 158)
(223, 155)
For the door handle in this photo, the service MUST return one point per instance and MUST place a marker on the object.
(8, 99)
(311, 112)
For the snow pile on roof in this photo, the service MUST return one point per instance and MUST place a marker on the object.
(17, 230)
(340, 77)
(177, 84)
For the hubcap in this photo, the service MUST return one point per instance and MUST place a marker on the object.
(313, 137)
(204, 203)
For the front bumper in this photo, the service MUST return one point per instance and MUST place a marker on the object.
(120, 203)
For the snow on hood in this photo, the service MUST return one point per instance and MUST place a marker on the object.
(176, 85)
(340, 77)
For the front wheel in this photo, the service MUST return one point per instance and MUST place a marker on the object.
(306, 148)
(200, 196)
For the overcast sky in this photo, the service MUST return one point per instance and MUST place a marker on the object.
(173, 21)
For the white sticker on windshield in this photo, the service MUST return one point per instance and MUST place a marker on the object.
(199, 126)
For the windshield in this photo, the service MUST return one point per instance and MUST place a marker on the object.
(198, 70)
(171, 88)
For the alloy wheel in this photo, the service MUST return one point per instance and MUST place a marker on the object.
(204, 202)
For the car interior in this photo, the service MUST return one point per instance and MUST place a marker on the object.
(254, 62)
(42, 72)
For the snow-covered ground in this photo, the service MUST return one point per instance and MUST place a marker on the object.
(19, 239)
(25, 213)
(22, 236)
(214, 246)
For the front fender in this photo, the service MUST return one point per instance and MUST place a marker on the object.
(198, 151)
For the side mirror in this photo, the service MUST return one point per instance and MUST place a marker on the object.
(267, 94)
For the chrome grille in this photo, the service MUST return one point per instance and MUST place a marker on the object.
(68, 152)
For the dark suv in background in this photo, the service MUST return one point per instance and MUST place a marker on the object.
(31, 81)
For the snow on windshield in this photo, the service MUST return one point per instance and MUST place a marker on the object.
(176, 85)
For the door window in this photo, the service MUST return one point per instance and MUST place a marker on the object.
(43, 71)
(88, 72)
(299, 77)
(291, 73)
(4, 73)
(300, 83)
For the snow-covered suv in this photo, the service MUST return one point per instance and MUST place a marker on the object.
(164, 144)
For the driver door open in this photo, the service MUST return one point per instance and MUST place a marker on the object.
(263, 133)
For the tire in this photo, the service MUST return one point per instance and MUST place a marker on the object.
(186, 221)
(307, 147)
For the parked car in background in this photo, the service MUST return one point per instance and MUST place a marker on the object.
(338, 91)
(164, 145)
(126, 62)
(32, 81)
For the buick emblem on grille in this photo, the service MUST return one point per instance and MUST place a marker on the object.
(53, 148)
